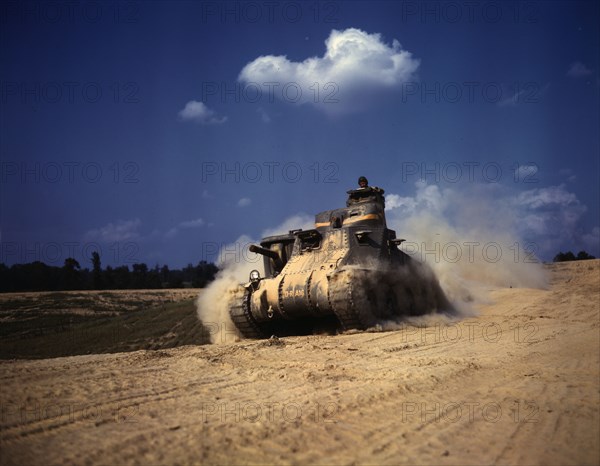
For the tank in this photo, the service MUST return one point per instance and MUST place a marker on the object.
(348, 270)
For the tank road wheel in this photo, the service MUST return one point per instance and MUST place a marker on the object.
(239, 310)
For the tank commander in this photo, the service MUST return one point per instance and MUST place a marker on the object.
(364, 192)
(363, 183)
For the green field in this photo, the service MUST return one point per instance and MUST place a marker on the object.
(48, 325)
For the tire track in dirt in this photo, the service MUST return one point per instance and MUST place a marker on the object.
(407, 396)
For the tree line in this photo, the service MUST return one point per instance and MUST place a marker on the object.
(38, 276)
(569, 256)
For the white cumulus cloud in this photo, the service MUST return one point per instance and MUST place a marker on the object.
(550, 196)
(184, 225)
(354, 65)
(200, 113)
(428, 197)
(121, 230)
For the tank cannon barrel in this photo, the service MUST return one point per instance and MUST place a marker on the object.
(268, 253)
(264, 251)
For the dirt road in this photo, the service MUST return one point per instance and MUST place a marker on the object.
(517, 384)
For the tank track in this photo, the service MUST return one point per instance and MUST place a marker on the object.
(239, 310)
(340, 295)
(358, 305)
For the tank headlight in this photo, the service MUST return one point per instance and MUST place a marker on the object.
(254, 276)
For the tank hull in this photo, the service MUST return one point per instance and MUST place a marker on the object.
(349, 269)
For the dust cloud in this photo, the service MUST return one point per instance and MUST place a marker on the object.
(470, 237)
(466, 239)
(212, 306)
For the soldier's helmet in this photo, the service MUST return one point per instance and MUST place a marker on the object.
(362, 179)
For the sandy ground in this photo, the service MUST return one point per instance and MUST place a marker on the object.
(518, 384)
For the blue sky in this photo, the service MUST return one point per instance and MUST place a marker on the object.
(158, 132)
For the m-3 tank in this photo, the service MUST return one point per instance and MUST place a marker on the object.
(349, 268)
